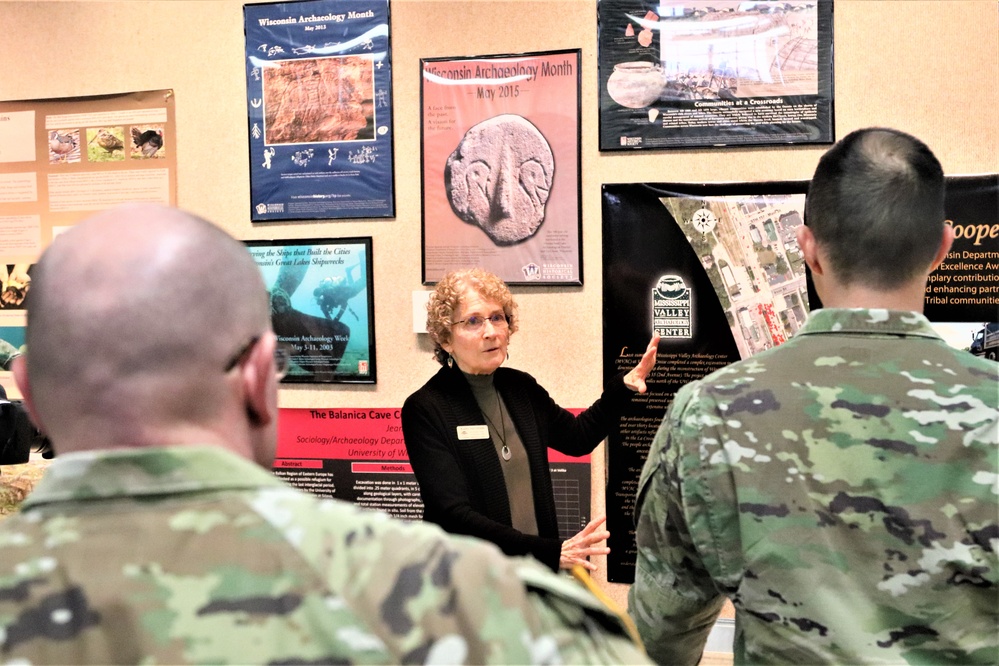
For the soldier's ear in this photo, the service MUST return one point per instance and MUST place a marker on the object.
(809, 249)
(946, 240)
(259, 380)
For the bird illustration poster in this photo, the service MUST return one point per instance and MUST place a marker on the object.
(321, 306)
(501, 169)
(63, 159)
(699, 73)
(319, 106)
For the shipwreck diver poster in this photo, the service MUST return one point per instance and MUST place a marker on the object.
(501, 167)
(716, 271)
(692, 73)
(322, 305)
(319, 102)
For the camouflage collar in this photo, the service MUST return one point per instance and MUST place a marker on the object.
(867, 321)
(145, 473)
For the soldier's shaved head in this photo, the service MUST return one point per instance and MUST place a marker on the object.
(134, 314)
(876, 205)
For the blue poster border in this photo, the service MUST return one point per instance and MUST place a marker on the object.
(319, 110)
(322, 305)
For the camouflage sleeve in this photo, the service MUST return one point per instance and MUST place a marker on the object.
(431, 597)
(673, 600)
(585, 631)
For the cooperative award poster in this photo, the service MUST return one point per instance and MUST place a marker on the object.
(319, 104)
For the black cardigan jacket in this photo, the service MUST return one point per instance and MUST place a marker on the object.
(461, 481)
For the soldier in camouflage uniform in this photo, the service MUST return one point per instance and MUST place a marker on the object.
(154, 538)
(840, 489)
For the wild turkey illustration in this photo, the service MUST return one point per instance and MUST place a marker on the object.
(148, 141)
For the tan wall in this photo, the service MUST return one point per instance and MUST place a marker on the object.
(929, 67)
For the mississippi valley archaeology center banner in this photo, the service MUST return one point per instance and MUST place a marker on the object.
(715, 270)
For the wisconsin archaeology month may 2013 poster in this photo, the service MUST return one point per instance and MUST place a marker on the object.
(319, 105)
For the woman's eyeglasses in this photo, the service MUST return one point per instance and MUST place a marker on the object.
(476, 322)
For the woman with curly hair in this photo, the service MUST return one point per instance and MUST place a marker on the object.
(478, 434)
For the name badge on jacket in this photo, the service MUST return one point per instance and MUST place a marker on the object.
(473, 432)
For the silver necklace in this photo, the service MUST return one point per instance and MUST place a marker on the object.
(504, 449)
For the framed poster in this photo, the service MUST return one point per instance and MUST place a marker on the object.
(322, 304)
(695, 73)
(715, 269)
(319, 102)
(501, 166)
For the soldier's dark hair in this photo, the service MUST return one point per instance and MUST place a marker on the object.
(876, 206)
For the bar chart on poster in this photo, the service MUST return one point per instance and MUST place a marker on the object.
(568, 507)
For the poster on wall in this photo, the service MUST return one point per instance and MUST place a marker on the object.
(359, 456)
(965, 288)
(321, 297)
(716, 271)
(61, 160)
(319, 102)
(695, 73)
(501, 166)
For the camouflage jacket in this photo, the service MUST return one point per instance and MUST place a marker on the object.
(181, 555)
(840, 489)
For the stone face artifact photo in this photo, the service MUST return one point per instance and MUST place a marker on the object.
(499, 178)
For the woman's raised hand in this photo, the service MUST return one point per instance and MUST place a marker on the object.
(635, 380)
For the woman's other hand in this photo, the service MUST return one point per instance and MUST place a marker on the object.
(577, 549)
(635, 380)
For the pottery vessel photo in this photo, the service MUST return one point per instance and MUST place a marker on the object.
(636, 84)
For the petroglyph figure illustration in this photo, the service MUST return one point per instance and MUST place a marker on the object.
(301, 157)
(365, 155)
